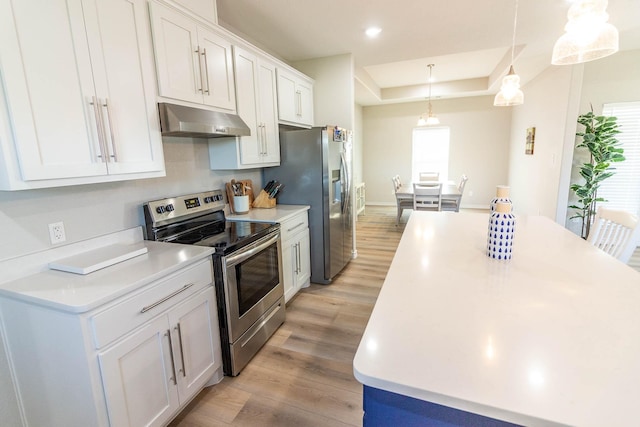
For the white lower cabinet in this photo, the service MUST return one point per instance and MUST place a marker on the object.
(149, 374)
(296, 254)
(136, 360)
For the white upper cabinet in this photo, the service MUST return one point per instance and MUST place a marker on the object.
(205, 9)
(194, 64)
(295, 99)
(257, 106)
(79, 91)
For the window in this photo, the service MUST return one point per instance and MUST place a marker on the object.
(622, 190)
(430, 152)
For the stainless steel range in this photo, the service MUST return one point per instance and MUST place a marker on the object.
(248, 274)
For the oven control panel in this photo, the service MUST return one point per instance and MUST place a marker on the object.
(176, 207)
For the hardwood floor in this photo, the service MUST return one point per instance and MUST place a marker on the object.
(303, 376)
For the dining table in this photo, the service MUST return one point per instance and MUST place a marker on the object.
(548, 338)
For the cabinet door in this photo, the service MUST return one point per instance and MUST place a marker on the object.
(289, 266)
(205, 9)
(268, 108)
(217, 70)
(46, 70)
(304, 92)
(175, 39)
(123, 71)
(196, 342)
(246, 70)
(304, 259)
(139, 378)
(287, 100)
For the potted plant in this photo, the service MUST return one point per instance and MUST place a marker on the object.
(599, 139)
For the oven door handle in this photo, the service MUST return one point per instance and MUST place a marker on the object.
(252, 249)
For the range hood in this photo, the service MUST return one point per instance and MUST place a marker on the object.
(178, 120)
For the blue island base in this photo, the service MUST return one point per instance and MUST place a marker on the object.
(385, 409)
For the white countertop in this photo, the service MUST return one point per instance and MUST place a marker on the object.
(80, 293)
(277, 214)
(551, 337)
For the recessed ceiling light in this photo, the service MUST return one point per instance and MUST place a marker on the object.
(373, 31)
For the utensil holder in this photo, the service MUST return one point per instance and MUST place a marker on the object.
(241, 204)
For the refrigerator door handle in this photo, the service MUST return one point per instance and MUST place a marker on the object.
(346, 187)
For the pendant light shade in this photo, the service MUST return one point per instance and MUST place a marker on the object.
(510, 93)
(429, 119)
(587, 35)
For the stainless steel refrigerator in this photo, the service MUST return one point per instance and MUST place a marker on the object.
(315, 168)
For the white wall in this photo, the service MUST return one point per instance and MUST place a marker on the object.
(548, 106)
(479, 146)
(97, 209)
(358, 148)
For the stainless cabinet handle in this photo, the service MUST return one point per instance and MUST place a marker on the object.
(263, 134)
(298, 103)
(168, 297)
(114, 154)
(298, 259)
(173, 362)
(264, 139)
(206, 71)
(200, 89)
(259, 136)
(184, 368)
(98, 116)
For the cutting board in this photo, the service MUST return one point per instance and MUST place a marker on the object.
(248, 185)
(90, 261)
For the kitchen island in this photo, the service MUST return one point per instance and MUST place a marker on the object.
(456, 338)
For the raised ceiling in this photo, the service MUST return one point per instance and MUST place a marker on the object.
(469, 41)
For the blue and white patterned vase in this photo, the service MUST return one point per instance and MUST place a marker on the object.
(501, 231)
(502, 196)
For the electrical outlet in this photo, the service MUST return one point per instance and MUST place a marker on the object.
(56, 233)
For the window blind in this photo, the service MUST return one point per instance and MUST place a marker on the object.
(430, 152)
(622, 190)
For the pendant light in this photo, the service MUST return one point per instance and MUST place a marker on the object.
(510, 93)
(430, 119)
(587, 35)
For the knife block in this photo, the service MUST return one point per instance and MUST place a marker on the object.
(264, 201)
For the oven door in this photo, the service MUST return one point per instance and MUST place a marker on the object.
(253, 283)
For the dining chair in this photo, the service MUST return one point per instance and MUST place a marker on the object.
(402, 202)
(616, 232)
(429, 176)
(427, 196)
(453, 204)
(462, 183)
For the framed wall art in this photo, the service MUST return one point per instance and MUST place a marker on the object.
(531, 140)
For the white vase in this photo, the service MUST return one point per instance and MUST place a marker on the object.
(501, 232)
(502, 196)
